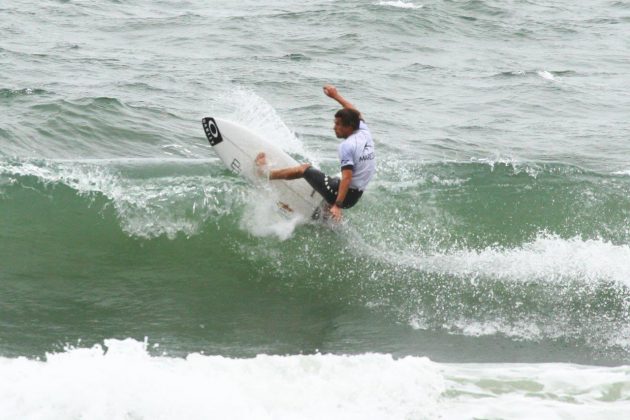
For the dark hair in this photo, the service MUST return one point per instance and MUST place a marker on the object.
(349, 117)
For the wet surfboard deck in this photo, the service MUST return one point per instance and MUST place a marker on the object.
(238, 146)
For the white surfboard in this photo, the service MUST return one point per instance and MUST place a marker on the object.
(238, 147)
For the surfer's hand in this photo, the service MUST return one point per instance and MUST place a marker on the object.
(335, 212)
(331, 91)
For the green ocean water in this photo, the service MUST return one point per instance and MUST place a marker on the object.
(182, 253)
(497, 229)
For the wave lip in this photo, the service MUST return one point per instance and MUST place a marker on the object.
(548, 258)
(178, 200)
(570, 291)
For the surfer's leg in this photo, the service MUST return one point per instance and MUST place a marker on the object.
(294, 172)
(289, 173)
(326, 186)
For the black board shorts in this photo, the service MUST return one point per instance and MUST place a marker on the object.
(328, 187)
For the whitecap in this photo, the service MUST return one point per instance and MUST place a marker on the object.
(546, 75)
(547, 258)
(400, 4)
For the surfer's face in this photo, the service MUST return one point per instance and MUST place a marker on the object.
(342, 131)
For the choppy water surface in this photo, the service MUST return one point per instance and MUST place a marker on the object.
(497, 230)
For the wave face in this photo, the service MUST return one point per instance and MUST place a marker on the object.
(532, 255)
(497, 229)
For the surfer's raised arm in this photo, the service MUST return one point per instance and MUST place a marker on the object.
(331, 91)
(356, 158)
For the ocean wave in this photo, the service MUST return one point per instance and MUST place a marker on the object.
(156, 197)
(535, 391)
(395, 170)
(121, 380)
(539, 193)
(89, 127)
(548, 258)
(176, 201)
(400, 4)
(422, 263)
(567, 290)
(10, 93)
(545, 74)
(253, 111)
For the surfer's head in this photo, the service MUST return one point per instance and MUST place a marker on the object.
(346, 122)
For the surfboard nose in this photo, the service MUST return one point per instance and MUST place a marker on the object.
(212, 131)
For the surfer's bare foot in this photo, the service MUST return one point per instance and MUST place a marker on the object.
(261, 165)
(263, 171)
(261, 159)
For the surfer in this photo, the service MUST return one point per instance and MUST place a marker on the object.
(356, 154)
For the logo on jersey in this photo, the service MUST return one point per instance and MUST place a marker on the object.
(369, 156)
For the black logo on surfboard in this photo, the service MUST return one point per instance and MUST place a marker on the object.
(236, 166)
(212, 131)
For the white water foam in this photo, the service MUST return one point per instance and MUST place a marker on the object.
(258, 115)
(262, 217)
(546, 75)
(164, 205)
(121, 380)
(125, 382)
(400, 4)
(517, 166)
(520, 330)
(548, 258)
(536, 391)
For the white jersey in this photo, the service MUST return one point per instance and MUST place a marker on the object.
(357, 152)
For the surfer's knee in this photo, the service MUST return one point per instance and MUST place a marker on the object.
(303, 167)
(296, 171)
